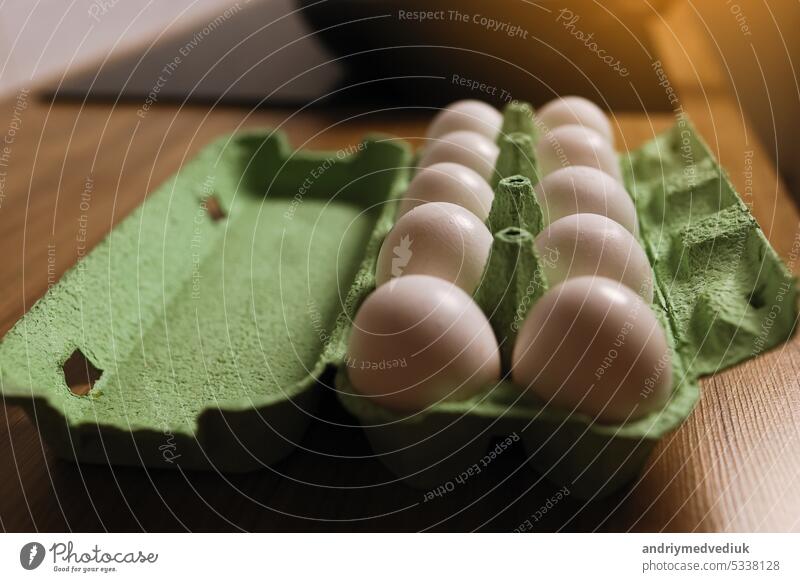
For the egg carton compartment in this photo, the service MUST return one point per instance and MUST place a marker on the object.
(194, 335)
(717, 281)
(726, 293)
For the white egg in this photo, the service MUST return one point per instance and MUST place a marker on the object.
(590, 244)
(591, 345)
(467, 115)
(575, 111)
(577, 189)
(449, 182)
(462, 147)
(575, 145)
(439, 239)
(419, 340)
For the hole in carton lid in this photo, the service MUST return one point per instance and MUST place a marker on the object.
(756, 298)
(213, 208)
(80, 374)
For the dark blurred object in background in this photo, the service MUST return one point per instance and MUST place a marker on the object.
(495, 50)
(758, 52)
(362, 53)
(257, 53)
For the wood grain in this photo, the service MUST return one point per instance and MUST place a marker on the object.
(734, 465)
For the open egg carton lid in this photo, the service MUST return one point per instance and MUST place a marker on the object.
(210, 314)
(207, 316)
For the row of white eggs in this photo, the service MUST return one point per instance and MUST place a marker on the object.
(590, 343)
(577, 133)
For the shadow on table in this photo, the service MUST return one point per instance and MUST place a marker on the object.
(309, 491)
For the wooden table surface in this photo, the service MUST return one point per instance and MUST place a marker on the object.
(733, 466)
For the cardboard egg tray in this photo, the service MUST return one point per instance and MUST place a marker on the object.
(211, 312)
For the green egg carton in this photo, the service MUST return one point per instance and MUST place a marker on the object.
(211, 313)
(722, 296)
